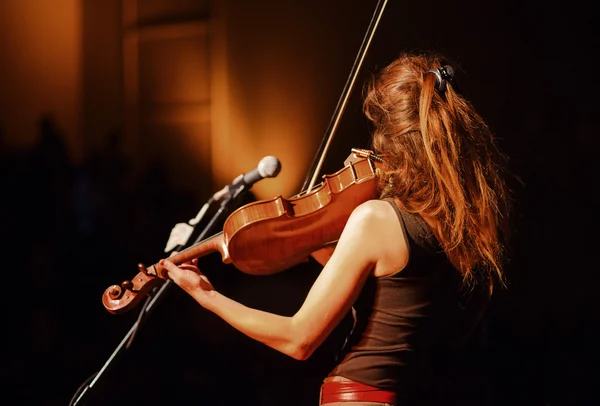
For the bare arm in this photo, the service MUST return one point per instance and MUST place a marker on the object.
(322, 255)
(362, 249)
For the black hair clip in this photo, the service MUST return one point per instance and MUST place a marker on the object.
(443, 75)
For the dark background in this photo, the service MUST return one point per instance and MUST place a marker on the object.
(527, 66)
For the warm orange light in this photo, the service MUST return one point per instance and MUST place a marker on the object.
(40, 55)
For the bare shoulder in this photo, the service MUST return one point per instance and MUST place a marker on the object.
(376, 224)
(372, 212)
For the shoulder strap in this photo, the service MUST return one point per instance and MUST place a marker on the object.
(415, 227)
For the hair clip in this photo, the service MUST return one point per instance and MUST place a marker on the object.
(443, 75)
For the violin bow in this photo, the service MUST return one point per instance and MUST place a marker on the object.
(319, 158)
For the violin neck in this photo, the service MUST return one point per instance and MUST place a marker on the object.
(200, 249)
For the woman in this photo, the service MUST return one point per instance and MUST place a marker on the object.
(416, 266)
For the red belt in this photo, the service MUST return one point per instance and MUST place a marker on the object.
(346, 390)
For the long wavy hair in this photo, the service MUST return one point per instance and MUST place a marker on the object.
(447, 166)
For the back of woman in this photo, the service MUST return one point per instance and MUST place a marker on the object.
(416, 266)
(418, 330)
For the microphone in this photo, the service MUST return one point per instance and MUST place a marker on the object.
(268, 167)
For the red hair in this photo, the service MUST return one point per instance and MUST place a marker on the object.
(447, 166)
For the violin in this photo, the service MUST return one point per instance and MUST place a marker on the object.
(269, 236)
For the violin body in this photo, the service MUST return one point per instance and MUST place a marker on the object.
(269, 236)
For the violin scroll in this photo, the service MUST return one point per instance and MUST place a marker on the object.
(120, 298)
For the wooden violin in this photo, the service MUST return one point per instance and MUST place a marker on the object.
(269, 236)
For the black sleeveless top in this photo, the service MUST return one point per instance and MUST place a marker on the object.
(411, 327)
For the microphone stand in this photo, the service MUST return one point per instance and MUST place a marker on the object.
(151, 301)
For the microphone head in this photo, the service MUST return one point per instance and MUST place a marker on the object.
(269, 167)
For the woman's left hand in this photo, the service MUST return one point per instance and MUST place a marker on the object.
(187, 275)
